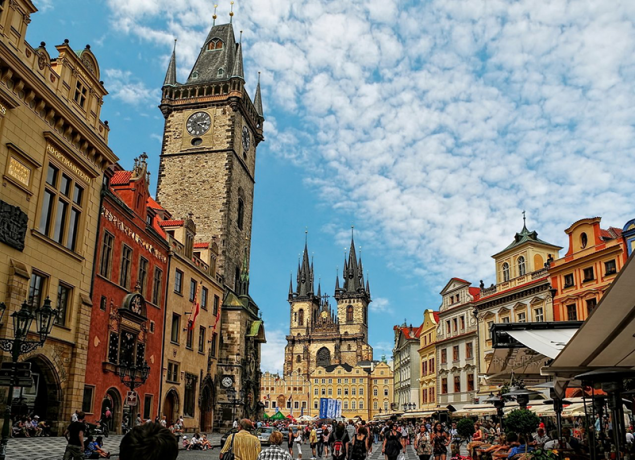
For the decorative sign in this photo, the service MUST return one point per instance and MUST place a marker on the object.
(13, 224)
(19, 172)
(3, 110)
(110, 217)
(131, 398)
(68, 163)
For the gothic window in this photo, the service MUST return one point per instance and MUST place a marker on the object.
(299, 359)
(323, 357)
(349, 347)
(190, 393)
(215, 44)
(521, 266)
(301, 317)
(349, 314)
(241, 213)
(505, 271)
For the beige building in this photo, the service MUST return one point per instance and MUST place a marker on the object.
(53, 154)
(192, 326)
(427, 361)
(290, 394)
(365, 389)
(407, 372)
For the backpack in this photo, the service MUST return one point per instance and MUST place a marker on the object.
(338, 448)
(359, 448)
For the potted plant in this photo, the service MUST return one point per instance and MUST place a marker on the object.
(522, 422)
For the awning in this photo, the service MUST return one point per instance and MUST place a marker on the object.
(605, 340)
(523, 363)
(471, 410)
(546, 342)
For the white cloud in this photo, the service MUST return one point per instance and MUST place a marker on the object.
(272, 358)
(438, 136)
(381, 305)
(121, 84)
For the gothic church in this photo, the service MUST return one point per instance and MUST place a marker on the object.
(320, 336)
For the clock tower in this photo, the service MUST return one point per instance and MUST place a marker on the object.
(208, 156)
(206, 171)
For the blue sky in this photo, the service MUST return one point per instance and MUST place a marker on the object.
(429, 125)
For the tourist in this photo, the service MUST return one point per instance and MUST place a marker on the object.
(360, 446)
(275, 451)
(319, 433)
(339, 442)
(520, 449)
(393, 442)
(74, 434)
(245, 445)
(540, 438)
(298, 442)
(148, 442)
(440, 441)
(313, 441)
(422, 444)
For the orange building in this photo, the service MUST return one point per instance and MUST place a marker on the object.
(581, 277)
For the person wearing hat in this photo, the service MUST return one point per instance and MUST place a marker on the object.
(186, 442)
(35, 423)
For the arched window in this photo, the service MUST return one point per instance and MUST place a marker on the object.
(215, 44)
(301, 317)
(349, 347)
(299, 359)
(505, 271)
(349, 314)
(241, 213)
(521, 266)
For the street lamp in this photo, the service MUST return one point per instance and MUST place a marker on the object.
(44, 317)
(521, 395)
(133, 377)
(499, 403)
(231, 397)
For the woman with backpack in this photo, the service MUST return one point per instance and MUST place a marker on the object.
(339, 442)
(360, 444)
(393, 443)
(422, 443)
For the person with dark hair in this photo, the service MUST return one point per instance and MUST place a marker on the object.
(360, 446)
(440, 441)
(393, 443)
(149, 441)
(339, 442)
(74, 434)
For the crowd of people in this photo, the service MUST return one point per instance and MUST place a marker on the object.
(27, 427)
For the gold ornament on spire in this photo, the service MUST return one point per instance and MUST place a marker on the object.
(231, 12)
(214, 17)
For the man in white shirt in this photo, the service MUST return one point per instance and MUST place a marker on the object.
(540, 438)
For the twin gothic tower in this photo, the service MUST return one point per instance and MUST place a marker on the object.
(319, 336)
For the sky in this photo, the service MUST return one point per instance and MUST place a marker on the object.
(429, 126)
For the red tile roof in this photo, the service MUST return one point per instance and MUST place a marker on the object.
(475, 292)
(461, 280)
(611, 234)
(121, 178)
(405, 330)
(436, 316)
(171, 223)
(153, 204)
(201, 245)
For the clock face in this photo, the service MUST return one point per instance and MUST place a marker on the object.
(198, 124)
(227, 382)
(246, 138)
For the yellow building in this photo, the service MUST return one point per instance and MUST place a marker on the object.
(364, 389)
(53, 154)
(289, 394)
(427, 361)
(191, 344)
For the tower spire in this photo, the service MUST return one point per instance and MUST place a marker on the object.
(214, 17)
(258, 99)
(170, 75)
(238, 60)
(231, 12)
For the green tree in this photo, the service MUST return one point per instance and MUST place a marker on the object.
(465, 428)
(522, 422)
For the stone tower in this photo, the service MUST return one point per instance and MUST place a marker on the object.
(208, 157)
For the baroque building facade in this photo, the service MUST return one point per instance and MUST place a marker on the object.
(207, 169)
(405, 356)
(54, 151)
(427, 360)
(318, 335)
(290, 394)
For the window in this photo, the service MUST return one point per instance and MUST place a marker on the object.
(152, 327)
(521, 266)
(193, 285)
(455, 324)
(178, 281)
(189, 395)
(374, 391)
(215, 44)
(147, 407)
(568, 280)
(353, 404)
(143, 275)
(36, 288)
(216, 304)
(315, 404)
(241, 213)
(470, 382)
(455, 353)
(345, 391)
(431, 394)
(61, 208)
(469, 350)
(63, 297)
(610, 267)
(588, 274)
(424, 368)
(323, 391)
(330, 392)
(522, 317)
(457, 383)
(105, 264)
(189, 337)
(156, 286)
(385, 391)
(572, 313)
(448, 328)
(103, 303)
(301, 317)
(361, 391)
(444, 356)
(462, 322)
(590, 305)
(539, 315)
(349, 314)
(584, 240)
(176, 326)
(126, 262)
(296, 404)
(505, 271)
(375, 405)
(505, 319)
(431, 365)
(204, 297)
(80, 94)
(345, 405)
(173, 372)
(87, 400)
(444, 386)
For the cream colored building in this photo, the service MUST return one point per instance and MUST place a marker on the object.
(290, 394)
(521, 294)
(191, 341)
(427, 361)
(54, 151)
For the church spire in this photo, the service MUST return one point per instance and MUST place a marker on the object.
(290, 286)
(354, 284)
(170, 75)
(238, 62)
(258, 99)
(305, 274)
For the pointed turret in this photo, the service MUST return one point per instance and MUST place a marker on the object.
(305, 275)
(258, 99)
(353, 273)
(170, 75)
(216, 60)
(290, 286)
(238, 63)
(337, 283)
(319, 293)
(243, 283)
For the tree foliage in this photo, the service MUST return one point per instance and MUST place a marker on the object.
(521, 421)
(465, 428)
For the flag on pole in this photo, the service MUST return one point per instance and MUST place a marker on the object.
(196, 308)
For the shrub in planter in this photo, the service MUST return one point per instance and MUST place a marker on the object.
(465, 428)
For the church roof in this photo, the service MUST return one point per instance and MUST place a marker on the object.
(525, 236)
(219, 63)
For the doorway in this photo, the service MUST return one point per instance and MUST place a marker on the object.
(112, 401)
(207, 408)
(171, 407)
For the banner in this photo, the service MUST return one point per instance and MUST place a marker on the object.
(323, 407)
(338, 410)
